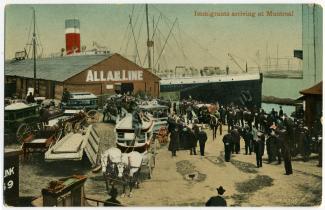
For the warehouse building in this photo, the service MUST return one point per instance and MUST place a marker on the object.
(313, 98)
(101, 74)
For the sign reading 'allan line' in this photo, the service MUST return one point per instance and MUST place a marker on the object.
(122, 75)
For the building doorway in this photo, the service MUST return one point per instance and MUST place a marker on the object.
(127, 88)
(10, 89)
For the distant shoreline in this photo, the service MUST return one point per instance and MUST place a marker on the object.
(282, 101)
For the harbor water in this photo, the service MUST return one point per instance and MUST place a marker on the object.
(283, 87)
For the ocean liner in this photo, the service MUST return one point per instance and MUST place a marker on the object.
(241, 89)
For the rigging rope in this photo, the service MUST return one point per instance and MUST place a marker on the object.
(126, 31)
(166, 41)
(135, 42)
(38, 40)
(28, 38)
(131, 29)
(152, 37)
(199, 45)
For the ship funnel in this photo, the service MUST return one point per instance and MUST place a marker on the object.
(72, 36)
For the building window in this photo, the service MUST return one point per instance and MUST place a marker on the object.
(109, 87)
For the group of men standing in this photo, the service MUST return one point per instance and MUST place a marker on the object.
(182, 136)
(273, 131)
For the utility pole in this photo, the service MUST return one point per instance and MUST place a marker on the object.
(314, 42)
(153, 48)
(149, 43)
(34, 50)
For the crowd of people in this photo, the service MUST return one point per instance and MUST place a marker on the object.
(281, 136)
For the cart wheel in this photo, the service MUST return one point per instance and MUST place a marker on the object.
(23, 131)
(67, 128)
(92, 116)
(35, 126)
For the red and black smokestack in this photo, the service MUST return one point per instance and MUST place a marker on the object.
(72, 36)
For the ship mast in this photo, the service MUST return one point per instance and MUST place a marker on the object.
(34, 50)
(149, 43)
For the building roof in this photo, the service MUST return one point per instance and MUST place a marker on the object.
(56, 69)
(314, 90)
(65, 67)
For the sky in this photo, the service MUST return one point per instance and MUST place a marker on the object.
(194, 41)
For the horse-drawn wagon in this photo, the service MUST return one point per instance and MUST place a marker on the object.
(159, 114)
(121, 169)
(81, 101)
(145, 144)
(121, 165)
(16, 115)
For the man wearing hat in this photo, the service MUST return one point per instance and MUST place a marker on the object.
(112, 201)
(217, 200)
(136, 121)
(304, 141)
(65, 95)
(174, 129)
(30, 98)
(248, 138)
(259, 148)
(214, 126)
(227, 140)
(236, 139)
(285, 149)
(44, 115)
(270, 147)
(202, 135)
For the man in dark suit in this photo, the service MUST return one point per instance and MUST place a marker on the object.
(217, 200)
(214, 126)
(173, 128)
(285, 149)
(136, 122)
(30, 98)
(65, 95)
(248, 138)
(195, 131)
(271, 147)
(227, 141)
(202, 139)
(236, 139)
(259, 148)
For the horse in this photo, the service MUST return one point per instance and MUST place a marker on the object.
(123, 168)
(133, 161)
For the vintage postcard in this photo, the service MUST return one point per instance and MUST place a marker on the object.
(153, 104)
